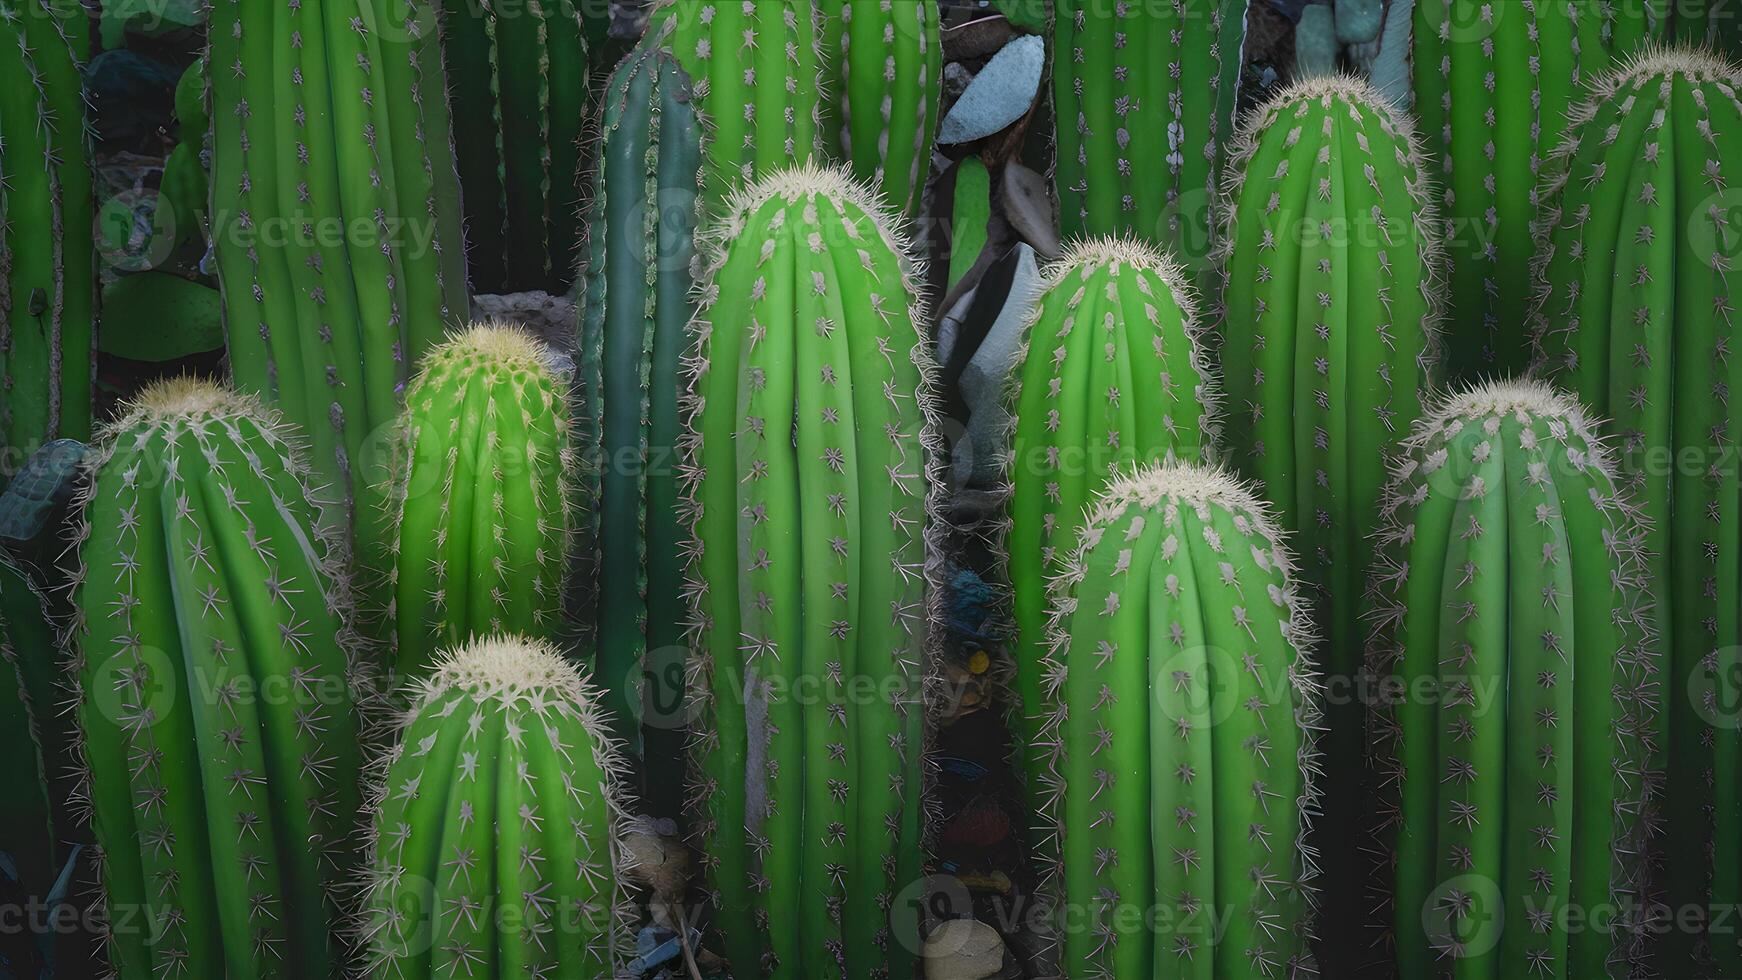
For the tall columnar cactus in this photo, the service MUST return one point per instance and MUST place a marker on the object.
(885, 76)
(517, 86)
(1637, 316)
(1182, 706)
(480, 508)
(1144, 96)
(638, 277)
(496, 820)
(48, 277)
(760, 83)
(810, 452)
(1494, 82)
(335, 211)
(1516, 750)
(216, 674)
(1113, 375)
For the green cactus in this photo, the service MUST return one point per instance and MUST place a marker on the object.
(28, 698)
(215, 667)
(885, 78)
(1112, 375)
(518, 90)
(1636, 316)
(48, 275)
(335, 212)
(1182, 703)
(760, 83)
(1494, 82)
(810, 457)
(641, 247)
(496, 826)
(1714, 23)
(1144, 97)
(1515, 744)
(480, 505)
(184, 190)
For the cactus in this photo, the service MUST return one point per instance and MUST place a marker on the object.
(48, 275)
(518, 90)
(1714, 23)
(481, 501)
(496, 820)
(641, 223)
(1144, 96)
(1112, 375)
(885, 78)
(335, 212)
(759, 78)
(810, 455)
(215, 667)
(1636, 316)
(1515, 749)
(1493, 85)
(1181, 770)
(28, 698)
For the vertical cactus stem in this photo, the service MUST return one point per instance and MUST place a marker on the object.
(885, 71)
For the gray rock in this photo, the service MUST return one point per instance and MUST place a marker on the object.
(984, 380)
(963, 949)
(1000, 94)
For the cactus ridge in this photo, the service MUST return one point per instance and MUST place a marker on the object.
(1183, 712)
(1511, 579)
(886, 79)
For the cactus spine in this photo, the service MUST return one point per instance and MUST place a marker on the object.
(48, 276)
(1182, 705)
(1112, 376)
(1144, 96)
(1636, 316)
(810, 449)
(335, 211)
(495, 823)
(483, 485)
(886, 75)
(213, 657)
(517, 87)
(1494, 83)
(1517, 751)
(639, 275)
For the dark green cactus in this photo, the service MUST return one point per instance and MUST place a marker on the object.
(1144, 96)
(1515, 743)
(518, 90)
(1637, 317)
(335, 211)
(641, 249)
(1112, 376)
(482, 494)
(1182, 705)
(886, 74)
(28, 698)
(1714, 23)
(496, 825)
(810, 456)
(215, 667)
(48, 276)
(1494, 82)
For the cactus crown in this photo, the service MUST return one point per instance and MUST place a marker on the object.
(513, 671)
(494, 345)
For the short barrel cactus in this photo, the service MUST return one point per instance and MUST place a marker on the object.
(216, 674)
(496, 824)
(1514, 741)
(886, 74)
(810, 452)
(1183, 704)
(1637, 316)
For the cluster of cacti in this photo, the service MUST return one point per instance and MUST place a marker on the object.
(517, 84)
(335, 211)
(809, 452)
(1516, 746)
(1111, 376)
(1637, 316)
(215, 668)
(1144, 95)
(885, 75)
(1494, 84)
(48, 277)
(495, 825)
(480, 507)
(1180, 765)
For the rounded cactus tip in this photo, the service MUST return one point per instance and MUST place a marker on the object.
(1123, 249)
(186, 397)
(814, 179)
(495, 341)
(1192, 483)
(1509, 397)
(510, 669)
(1698, 62)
